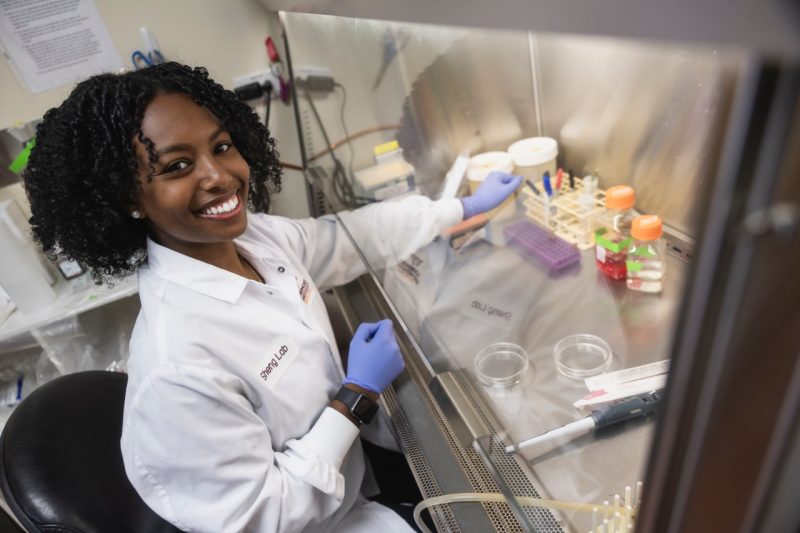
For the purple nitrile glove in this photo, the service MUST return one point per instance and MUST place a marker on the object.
(492, 192)
(374, 359)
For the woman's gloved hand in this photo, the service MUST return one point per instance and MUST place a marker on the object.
(374, 359)
(492, 192)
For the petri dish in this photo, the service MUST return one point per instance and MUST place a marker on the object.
(502, 364)
(581, 356)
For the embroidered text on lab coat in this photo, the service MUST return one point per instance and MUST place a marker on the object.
(304, 288)
(279, 356)
(411, 268)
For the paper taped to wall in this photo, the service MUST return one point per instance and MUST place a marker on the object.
(49, 43)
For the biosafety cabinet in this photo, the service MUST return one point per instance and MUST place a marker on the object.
(695, 106)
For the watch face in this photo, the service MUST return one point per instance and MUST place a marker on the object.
(364, 409)
(360, 406)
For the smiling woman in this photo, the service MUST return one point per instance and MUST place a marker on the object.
(192, 195)
(96, 161)
(239, 415)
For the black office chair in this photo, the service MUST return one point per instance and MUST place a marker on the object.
(60, 461)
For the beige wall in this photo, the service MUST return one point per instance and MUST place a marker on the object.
(227, 37)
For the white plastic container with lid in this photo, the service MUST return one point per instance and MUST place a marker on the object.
(482, 165)
(17, 223)
(20, 276)
(534, 155)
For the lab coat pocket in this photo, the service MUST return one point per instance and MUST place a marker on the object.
(277, 359)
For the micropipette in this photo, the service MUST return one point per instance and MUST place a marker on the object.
(634, 407)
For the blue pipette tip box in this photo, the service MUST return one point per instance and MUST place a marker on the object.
(549, 251)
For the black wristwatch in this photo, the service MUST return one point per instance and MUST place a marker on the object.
(359, 405)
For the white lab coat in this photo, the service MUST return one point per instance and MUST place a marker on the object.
(226, 426)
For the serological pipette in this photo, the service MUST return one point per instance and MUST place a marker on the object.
(634, 407)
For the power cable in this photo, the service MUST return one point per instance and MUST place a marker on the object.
(267, 102)
(344, 128)
(342, 185)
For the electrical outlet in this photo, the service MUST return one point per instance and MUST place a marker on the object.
(259, 77)
(679, 245)
(305, 71)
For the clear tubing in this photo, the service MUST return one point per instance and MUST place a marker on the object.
(526, 501)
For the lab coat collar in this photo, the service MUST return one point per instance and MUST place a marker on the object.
(194, 274)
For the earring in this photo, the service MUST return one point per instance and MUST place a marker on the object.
(136, 214)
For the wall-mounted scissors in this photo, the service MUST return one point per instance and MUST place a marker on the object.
(150, 55)
(140, 60)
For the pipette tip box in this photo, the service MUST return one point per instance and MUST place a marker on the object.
(551, 252)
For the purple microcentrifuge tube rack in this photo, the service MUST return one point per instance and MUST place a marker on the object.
(534, 241)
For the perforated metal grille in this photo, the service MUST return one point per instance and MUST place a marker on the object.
(442, 516)
(514, 476)
(500, 514)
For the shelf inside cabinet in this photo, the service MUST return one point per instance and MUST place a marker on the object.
(74, 297)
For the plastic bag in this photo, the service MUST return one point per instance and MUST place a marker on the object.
(17, 377)
(96, 340)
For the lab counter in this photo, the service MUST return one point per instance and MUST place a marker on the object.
(457, 296)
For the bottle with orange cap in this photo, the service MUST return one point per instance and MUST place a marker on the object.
(646, 255)
(612, 235)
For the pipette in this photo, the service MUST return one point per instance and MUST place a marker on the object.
(533, 187)
(634, 407)
(546, 181)
(559, 177)
(548, 208)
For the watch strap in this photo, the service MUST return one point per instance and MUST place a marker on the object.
(359, 404)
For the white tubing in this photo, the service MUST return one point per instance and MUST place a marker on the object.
(495, 497)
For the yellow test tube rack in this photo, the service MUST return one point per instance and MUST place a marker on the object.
(569, 217)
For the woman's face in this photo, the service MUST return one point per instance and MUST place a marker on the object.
(197, 197)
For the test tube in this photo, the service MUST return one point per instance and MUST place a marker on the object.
(588, 183)
(547, 208)
(586, 204)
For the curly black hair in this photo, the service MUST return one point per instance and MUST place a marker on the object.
(81, 177)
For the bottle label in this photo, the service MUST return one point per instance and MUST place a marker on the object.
(611, 246)
(633, 266)
(642, 251)
(600, 253)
